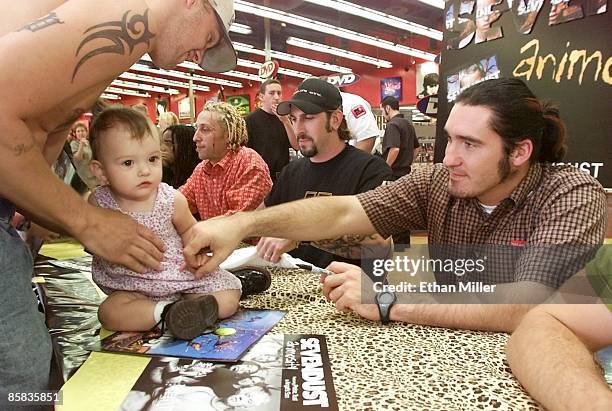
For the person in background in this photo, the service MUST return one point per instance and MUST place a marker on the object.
(360, 121)
(165, 120)
(127, 160)
(269, 134)
(39, 104)
(231, 177)
(551, 352)
(81, 155)
(400, 144)
(180, 153)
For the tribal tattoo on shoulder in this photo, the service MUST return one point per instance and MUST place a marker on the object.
(42, 23)
(124, 34)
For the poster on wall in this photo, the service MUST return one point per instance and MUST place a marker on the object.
(241, 103)
(162, 105)
(427, 79)
(184, 108)
(391, 86)
(560, 49)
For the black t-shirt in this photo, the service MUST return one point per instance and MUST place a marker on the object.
(400, 133)
(352, 171)
(267, 136)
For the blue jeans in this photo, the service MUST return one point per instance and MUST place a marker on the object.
(25, 345)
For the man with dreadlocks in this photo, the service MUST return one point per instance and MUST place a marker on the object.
(231, 177)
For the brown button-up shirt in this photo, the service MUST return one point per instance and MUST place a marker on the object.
(546, 228)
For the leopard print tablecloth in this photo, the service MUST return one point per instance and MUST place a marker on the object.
(399, 366)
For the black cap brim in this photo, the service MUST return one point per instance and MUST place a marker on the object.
(307, 107)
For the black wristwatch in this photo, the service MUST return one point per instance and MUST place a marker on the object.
(385, 301)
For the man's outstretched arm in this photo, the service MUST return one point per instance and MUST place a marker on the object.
(311, 219)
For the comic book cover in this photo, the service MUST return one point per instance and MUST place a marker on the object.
(227, 341)
(280, 372)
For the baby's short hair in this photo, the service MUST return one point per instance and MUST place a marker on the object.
(111, 117)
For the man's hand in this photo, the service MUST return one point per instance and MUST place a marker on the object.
(210, 242)
(272, 248)
(344, 288)
(118, 238)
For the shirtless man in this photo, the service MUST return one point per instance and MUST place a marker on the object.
(57, 58)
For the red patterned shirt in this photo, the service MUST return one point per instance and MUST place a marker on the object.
(239, 182)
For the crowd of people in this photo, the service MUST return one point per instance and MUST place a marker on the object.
(160, 209)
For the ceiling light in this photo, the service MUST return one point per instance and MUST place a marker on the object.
(266, 12)
(294, 73)
(117, 90)
(109, 96)
(281, 70)
(145, 87)
(436, 3)
(240, 28)
(238, 74)
(181, 74)
(324, 48)
(379, 17)
(162, 81)
(247, 48)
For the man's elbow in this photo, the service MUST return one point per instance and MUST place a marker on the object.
(366, 145)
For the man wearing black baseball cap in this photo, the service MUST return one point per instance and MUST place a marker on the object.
(313, 96)
(330, 167)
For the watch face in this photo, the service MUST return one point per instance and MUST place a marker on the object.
(386, 298)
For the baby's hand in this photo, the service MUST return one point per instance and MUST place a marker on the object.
(200, 259)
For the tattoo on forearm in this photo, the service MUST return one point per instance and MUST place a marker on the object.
(122, 34)
(348, 246)
(21, 149)
(42, 23)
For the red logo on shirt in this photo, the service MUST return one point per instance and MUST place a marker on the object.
(518, 243)
(358, 111)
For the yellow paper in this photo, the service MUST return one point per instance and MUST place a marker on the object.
(65, 249)
(102, 382)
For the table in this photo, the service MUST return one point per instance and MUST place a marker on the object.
(375, 367)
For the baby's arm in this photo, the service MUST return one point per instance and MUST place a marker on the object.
(182, 219)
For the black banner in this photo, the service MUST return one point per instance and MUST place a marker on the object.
(560, 49)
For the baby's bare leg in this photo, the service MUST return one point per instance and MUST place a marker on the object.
(127, 311)
(228, 301)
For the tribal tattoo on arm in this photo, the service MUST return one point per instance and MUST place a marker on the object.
(127, 33)
(42, 23)
(350, 246)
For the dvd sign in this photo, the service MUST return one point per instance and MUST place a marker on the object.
(268, 69)
(341, 80)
